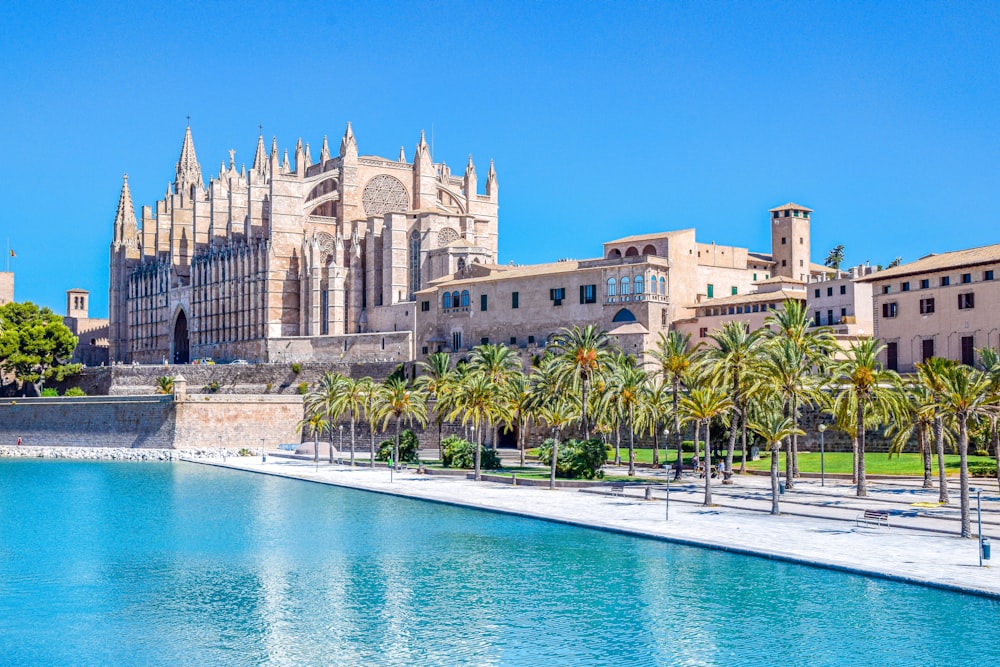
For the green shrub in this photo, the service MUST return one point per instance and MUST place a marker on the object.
(457, 452)
(245, 452)
(408, 446)
(983, 469)
(75, 391)
(981, 452)
(303, 388)
(212, 387)
(296, 368)
(49, 392)
(687, 446)
(577, 458)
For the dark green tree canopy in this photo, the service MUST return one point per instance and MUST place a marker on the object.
(35, 345)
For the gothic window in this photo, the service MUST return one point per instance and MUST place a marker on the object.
(414, 262)
(663, 285)
(624, 315)
(384, 194)
(465, 298)
(611, 286)
(638, 285)
(454, 300)
(626, 286)
(446, 303)
(446, 236)
(461, 263)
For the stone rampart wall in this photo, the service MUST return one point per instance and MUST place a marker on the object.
(151, 422)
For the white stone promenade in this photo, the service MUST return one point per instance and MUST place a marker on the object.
(818, 528)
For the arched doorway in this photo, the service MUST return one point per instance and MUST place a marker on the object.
(182, 354)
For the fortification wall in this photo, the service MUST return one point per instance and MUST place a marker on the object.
(151, 422)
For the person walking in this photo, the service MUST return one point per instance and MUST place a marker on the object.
(18, 441)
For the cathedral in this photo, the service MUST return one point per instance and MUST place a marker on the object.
(292, 260)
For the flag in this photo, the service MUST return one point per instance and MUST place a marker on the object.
(12, 254)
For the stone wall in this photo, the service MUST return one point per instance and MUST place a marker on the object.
(156, 422)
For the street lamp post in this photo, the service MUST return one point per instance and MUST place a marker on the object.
(221, 450)
(979, 517)
(340, 451)
(263, 452)
(666, 434)
(822, 467)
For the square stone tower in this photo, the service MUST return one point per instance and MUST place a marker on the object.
(77, 303)
(790, 241)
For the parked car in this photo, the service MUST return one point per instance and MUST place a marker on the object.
(203, 360)
(239, 362)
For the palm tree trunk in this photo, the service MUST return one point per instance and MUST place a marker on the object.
(555, 455)
(925, 453)
(775, 450)
(477, 434)
(354, 419)
(789, 463)
(583, 408)
(618, 445)
(963, 462)
(315, 446)
(697, 445)
(440, 425)
(743, 437)
(995, 441)
(330, 429)
(734, 419)
(795, 439)
(939, 443)
(677, 428)
(395, 445)
(631, 441)
(854, 459)
(708, 465)
(656, 446)
(371, 445)
(862, 483)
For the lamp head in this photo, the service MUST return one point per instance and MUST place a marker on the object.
(821, 428)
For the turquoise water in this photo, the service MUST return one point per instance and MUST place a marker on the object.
(116, 563)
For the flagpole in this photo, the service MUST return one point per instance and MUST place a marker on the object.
(8, 254)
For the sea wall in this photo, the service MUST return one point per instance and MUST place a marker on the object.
(116, 453)
(151, 422)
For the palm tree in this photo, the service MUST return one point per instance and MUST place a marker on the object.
(628, 383)
(702, 405)
(401, 401)
(165, 384)
(582, 354)
(989, 360)
(372, 393)
(675, 357)
(437, 379)
(476, 402)
(350, 399)
(500, 364)
(835, 258)
(653, 409)
(916, 421)
(316, 423)
(965, 393)
(735, 354)
(773, 431)
(324, 399)
(518, 399)
(785, 368)
(930, 374)
(872, 392)
(557, 414)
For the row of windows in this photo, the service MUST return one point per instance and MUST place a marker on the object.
(818, 319)
(449, 300)
(968, 352)
(966, 301)
(829, 291)
(788, 211)
(943, 281)
(738, 310)
(638, 285)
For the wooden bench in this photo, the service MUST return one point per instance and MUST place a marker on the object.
(618, 489)
(873, 519)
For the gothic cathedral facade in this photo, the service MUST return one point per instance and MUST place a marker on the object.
(294, 260)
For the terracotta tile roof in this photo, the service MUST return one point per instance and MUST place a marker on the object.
(939, 262)
(790, 205)
(756, 297)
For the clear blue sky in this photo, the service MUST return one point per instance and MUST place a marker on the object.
(604, 119)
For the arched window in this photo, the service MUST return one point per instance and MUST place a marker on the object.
(626, 286)
(663, 285)
(414, 262)
(461, 263)
(649, 250)
(631, 252)
(614, 253)
(624, 315)
(611, 286)
(465, 298)
(454, 299)
(446, 303)
(639, 283)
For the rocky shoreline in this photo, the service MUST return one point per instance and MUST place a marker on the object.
(119, 453)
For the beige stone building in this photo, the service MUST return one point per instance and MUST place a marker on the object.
(942, 305)
(91, 332)
(640, 286)
(6, 287)
(292, 260)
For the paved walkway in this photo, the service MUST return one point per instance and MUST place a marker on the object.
(817, 524)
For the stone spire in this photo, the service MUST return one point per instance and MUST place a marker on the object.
(274, 164)
(324, 152)
(300, 166)
(286, 166)
(491, 181)
(423, 151)
(402, 155)
(348, 145)
(309, 159)
(188, 169)
(126, 228)
(260, 157)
